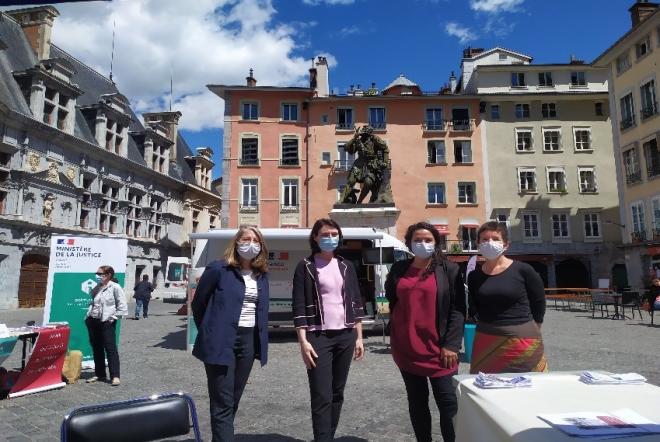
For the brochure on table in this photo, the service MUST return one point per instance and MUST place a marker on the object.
(73, 264)
(619, 423)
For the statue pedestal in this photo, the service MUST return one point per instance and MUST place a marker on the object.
(379, 216)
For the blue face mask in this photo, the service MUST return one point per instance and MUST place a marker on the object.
(98, 278)
(329, 243)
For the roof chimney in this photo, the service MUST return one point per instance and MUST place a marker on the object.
(470, 52)
(322, 81)
(452, 82)
(170, 121)
(251, 81)
(312, 76)
(37, 24)
(641, 10)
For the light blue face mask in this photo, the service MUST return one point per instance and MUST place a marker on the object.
(329, 243)
(98, 278)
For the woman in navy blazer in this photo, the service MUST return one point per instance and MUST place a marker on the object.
(230, 309)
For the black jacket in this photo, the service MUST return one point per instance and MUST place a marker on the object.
(143, 290)
(306, 297)
(450, 311)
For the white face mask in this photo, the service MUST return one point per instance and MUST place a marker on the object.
(423, 249)
(248, 250)
(491, 249)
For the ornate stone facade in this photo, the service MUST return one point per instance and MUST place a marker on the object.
(80, 162)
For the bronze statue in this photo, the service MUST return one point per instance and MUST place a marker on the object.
(371, 169)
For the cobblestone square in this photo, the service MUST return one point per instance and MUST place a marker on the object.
(275, 406)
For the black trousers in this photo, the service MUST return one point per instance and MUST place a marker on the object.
(418, 405)
(335, 349)
(103, 339)
(227, 382)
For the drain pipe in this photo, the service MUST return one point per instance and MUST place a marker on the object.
(307, 105)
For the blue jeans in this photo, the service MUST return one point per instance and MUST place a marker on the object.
(141, 304)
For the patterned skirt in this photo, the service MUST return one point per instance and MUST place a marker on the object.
(508, 349)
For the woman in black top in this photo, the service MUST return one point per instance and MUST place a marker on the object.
(508, 300)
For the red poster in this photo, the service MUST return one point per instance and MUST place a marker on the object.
(43, 370)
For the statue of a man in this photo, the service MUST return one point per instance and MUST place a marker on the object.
(49, 205)
(371, 168)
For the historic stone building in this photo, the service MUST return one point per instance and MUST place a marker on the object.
(632, 64)
(75, 159)
(548, 162)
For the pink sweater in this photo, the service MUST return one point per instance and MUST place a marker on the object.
(331, 284)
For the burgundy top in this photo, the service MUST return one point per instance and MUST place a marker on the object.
(413, 334)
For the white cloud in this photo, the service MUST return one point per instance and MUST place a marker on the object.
(463, 33)
(328, 2)
(199, 41)
(495, 6)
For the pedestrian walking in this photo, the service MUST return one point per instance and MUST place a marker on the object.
(230, 309)
(108, 304)
(508, 299)
(142, 294)
(427, 308)
(327, 313)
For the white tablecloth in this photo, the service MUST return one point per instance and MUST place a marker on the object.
(511, 414)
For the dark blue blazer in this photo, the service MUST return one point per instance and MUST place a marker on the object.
(216, 310)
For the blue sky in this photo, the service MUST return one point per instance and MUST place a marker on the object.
(200, 42)
(375, 40)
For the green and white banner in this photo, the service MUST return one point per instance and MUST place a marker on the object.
(73, 264)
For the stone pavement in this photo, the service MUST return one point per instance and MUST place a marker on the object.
(275, 406)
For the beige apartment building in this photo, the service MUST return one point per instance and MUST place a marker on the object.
(548, 163)
(632, 65)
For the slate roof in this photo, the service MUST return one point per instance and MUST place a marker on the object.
(16, 54)
(95, 85)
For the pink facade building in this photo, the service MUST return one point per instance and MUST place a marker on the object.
(284, 164)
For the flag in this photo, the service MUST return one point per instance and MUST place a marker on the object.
(68, 242)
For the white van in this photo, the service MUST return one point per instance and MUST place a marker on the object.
(176, 279)
(372, 252)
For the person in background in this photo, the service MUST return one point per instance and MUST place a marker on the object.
(654, 294)
(142, 294)
(230, 309)
(508, 300)
(327, 313)
(427, 308)
(107, 305)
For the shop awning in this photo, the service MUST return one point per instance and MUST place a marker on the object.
(469, 222)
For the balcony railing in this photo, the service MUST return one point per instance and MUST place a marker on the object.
(650, 110)
(653, 169)
(345, 126)
(461, 125)
(627, 122)
(288, 208)
(289, 162)
(248, 161)
(249, 208)
(378, 125)
(588, 188)
(638, 236)
(634, 177)
(461, 246)
(342, 166)
(435, 125)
